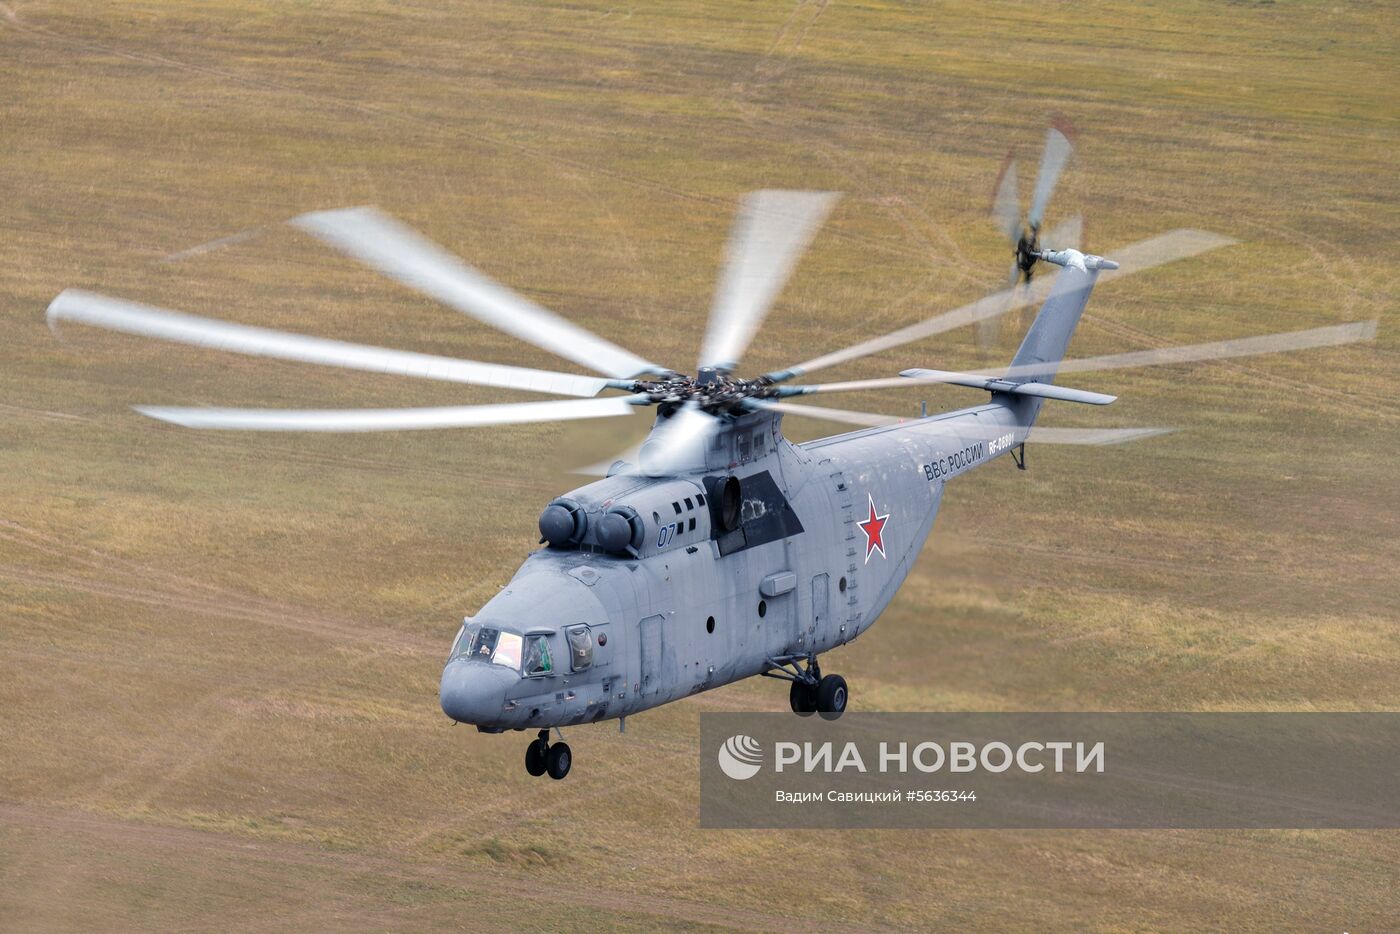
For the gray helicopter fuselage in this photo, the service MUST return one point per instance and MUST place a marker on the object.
(825, 534)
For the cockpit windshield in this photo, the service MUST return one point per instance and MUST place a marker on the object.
(508, 645)
(489, 644)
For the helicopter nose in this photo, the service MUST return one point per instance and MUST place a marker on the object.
(472, 692)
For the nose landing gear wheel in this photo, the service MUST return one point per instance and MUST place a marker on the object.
(831, 697)
(535, 755)
(558, 760)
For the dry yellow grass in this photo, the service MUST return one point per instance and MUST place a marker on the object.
(220, 653)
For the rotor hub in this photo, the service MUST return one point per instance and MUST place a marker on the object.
(713, 390)
(1028, 251)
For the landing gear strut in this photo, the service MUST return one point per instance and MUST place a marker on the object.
(811, 692)
(542, 757)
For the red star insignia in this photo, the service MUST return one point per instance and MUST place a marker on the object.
(874, 529)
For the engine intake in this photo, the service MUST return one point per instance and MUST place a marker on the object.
(621, 531)
(563, 523)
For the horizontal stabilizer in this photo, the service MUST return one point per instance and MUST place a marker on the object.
(992, 384)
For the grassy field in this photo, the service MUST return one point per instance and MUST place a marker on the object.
(219, 653)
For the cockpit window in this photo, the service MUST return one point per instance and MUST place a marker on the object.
(580, 647)
(488, 644)
(538, 660)
(467, 640)
(484, 643)
(507, 652)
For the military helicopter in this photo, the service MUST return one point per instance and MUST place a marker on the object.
(721, 550)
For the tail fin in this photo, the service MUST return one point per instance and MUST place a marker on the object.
(1045, 343)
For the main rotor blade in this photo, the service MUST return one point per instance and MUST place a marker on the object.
(1038, 435)
(383, 243)
(1052, 163)
(1006, 201)
(1146, 254)
(148, 321)
(845, 416)
(678, 444)
(769, 234)
(1094, 436)
(455, 416)
(1220, 350)
(601, 468)
(1331, 336)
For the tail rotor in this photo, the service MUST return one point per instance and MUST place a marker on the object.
(1023, 234)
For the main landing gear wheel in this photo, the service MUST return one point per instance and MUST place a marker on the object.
(535, 754)
(803, 698)
(831, 697)
(809, 692)
(558, 760)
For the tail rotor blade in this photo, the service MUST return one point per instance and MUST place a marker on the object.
(1006, 201)
(1066, 235)
(346, 420)
(1052, 162)
(382, 243)
(148, 321)
(769, 235)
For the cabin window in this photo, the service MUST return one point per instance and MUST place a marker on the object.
(743, 441)
(677, 508)
(692, 523)
(538, 659)
(580, 648)
(700, 498)
(689, 503)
